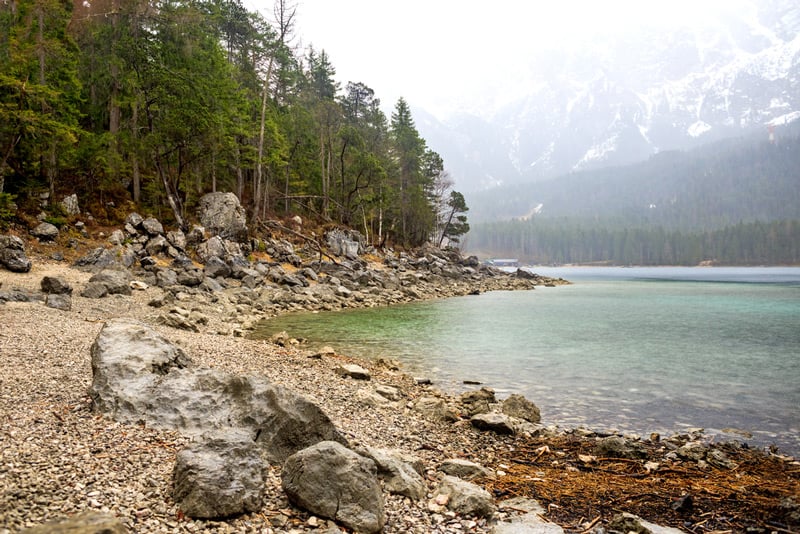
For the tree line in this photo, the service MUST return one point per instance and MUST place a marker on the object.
(560, 241)
(158, 102)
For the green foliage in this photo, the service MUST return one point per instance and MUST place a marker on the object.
(7, 209)
(161, 102)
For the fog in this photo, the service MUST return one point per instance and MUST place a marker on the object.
(446, 55)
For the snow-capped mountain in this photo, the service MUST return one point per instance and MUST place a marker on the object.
(618, 100)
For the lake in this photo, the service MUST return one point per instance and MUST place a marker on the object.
(633, 349)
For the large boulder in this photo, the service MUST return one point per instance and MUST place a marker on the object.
(347, 244)
(220, 476)
(332, 481)
(55, 285)
(139, 376)
(12, 254)
(222, 215)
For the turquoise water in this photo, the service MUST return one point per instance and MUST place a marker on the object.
(639, 350)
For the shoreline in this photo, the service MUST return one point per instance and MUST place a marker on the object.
(64, 458)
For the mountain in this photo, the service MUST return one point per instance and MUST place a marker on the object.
(706, 188)
(620, 99)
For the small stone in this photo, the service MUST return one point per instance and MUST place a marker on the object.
(353, 371)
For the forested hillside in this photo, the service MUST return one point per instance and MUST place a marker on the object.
(733, 202)
(154, 103)
(723, 183)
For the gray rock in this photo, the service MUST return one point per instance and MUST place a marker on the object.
(19, 295)
(494, 422)
(70, 204)
(116, 282)
(99, 258)
(215, 267)
(58, 301)
(399, 475)
(518, 406)
(82, 523)
(345, 244)
(55, 285)
(619, 447)
(177, 239)
(222, 215)
(478, 401)
(139, 376)
(195, 236)
(152, 226)
(12, 254)
(94, 290)
(191, 277)
(214, 247)
(117, 237)
(332, 481)
(434, 408)
(134, 219)
(45, 232)
(156, 245)
(389, 392)
(166, 278)
(182, 321)
(458, 467)
(353, 371)
(626, 519)
(220, 476)
(694, 450)
(466, 498)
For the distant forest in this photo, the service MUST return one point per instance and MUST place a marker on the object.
(733, 202)
(149, 104)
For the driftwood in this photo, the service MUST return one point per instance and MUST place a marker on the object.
(275, 225)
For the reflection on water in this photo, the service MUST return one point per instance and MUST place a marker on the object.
(640, 350)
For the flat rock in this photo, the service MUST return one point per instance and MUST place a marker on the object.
(353, 371)
(494, 422)
(464, 469)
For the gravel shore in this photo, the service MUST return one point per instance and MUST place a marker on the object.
(58, 458)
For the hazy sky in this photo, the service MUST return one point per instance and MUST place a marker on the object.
(441, 54)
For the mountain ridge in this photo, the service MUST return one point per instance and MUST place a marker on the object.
(622, 101)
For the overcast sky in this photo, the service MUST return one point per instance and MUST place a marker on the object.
(443, 54)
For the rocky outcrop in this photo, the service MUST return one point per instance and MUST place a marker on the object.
(12, 254)
(139, 376)
(219, 476)
(223, 216)
(332, 481)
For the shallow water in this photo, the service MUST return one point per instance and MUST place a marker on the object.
(640, 350)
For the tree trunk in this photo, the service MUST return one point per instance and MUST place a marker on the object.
(137, 177)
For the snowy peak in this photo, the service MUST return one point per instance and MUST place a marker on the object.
(621, 100)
